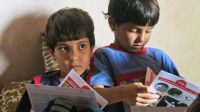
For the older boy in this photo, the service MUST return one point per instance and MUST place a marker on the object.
(126, 59)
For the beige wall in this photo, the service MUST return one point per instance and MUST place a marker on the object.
(177, 33)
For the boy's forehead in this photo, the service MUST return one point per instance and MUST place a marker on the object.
(81, 40)
(132, 25)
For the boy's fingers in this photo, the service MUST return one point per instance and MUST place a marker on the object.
(148, 95)
(145, 101)
(143, 88)
(141, 104)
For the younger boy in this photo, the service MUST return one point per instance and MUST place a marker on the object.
(69, 35)
(126, 59)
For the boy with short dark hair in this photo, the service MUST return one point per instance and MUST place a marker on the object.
(69, 34)
(126, 60)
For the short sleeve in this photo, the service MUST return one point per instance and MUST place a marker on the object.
(101, 69)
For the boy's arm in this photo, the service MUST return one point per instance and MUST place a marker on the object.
(134, 93)
(112, 94)
(167, 63)
(24, 104)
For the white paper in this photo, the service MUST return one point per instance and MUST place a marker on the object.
(175, 91)
(150, 76)
(40, 95)
(77, 82)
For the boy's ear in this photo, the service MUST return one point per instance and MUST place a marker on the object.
(52, 54)
(112, 23)
(91, 51)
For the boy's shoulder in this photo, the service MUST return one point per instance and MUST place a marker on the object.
(51, 73)
(113, 49)
(47, 75)
(152, 49)
(157, 53)
(103, 49)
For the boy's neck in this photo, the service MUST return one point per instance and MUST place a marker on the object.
(118, 47)
(62, 75)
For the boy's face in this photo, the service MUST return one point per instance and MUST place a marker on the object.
(132, 37)
(74, 54)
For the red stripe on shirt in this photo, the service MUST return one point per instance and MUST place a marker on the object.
(37, 79)
(117, 47)
(126, 77)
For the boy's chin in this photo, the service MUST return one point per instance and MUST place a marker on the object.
(135, 50)
(79, 72)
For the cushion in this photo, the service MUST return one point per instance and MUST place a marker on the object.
(49, 63)
(11, 95)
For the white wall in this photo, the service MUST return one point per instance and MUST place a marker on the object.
(177, 32)
(11, 9)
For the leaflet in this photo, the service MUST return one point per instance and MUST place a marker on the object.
(40, 95)
(77, 82)
(175, 91)
(77, 90)
(150, 76)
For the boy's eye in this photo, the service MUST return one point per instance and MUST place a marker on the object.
(134, 30)
(82, 46)
(148, 31)
(64, 49)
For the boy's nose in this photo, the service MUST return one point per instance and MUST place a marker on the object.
(141, 37)
(74, 55)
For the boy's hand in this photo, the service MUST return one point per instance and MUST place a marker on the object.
(138, 94)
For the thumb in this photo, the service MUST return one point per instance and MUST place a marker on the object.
(143, 88)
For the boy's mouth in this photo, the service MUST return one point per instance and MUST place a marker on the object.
(136, 46)
(75, 65)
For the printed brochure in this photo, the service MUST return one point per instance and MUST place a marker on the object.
(174, 90)
(77, 90)
(40, 95)
(74, 80)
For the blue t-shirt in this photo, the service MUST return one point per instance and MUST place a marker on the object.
(113, 65)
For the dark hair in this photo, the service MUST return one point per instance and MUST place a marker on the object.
(60, 105)
(163, 84)
(174, 91)
(68, 24)
(140, 12)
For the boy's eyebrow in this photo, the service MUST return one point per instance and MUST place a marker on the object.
(60, 43)
(83, 41)
(63, 43)
(149, 27)
(138, 26)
